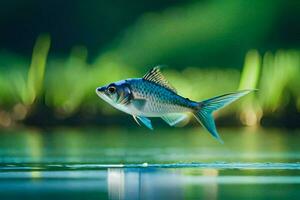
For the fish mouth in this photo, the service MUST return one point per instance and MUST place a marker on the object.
(100, 91)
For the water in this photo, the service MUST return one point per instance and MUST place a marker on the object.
(183, 163)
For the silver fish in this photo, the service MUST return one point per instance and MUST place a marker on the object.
(154, 96)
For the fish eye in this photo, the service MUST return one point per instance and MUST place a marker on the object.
(112, 89)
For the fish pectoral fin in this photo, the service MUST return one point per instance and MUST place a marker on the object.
(146, 121)
(176, 119)
(139, 103)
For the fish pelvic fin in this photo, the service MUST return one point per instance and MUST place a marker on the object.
(136, 120)
(144, 120)
(204, 110)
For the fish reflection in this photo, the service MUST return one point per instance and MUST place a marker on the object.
(139, 183)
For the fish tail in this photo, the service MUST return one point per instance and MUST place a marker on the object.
(204, 110)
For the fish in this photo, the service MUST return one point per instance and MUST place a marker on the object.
(153, 96)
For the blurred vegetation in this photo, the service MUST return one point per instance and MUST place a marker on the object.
(204, 44)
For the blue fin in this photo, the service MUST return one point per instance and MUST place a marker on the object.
(205, 109)
(146, 121)
(174, 119)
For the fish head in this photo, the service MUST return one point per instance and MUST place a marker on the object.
(115, 93)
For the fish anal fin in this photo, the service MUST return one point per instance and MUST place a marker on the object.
(176, 119)
(154, 75)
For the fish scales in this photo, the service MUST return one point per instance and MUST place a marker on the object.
(160, 100)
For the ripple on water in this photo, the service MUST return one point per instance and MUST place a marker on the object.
(213, 165)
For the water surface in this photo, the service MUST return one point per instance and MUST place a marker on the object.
(140, 164)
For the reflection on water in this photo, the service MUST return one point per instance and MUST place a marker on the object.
(150, 183)
(164, 146)
(195, 184)
(157, 184)
(143, 184)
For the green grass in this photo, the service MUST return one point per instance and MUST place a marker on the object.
(67, 86)
(177, 36)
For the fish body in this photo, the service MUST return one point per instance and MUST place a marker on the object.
(153, 96)
(159, 100)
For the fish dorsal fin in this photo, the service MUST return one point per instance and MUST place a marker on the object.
(154, 75)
